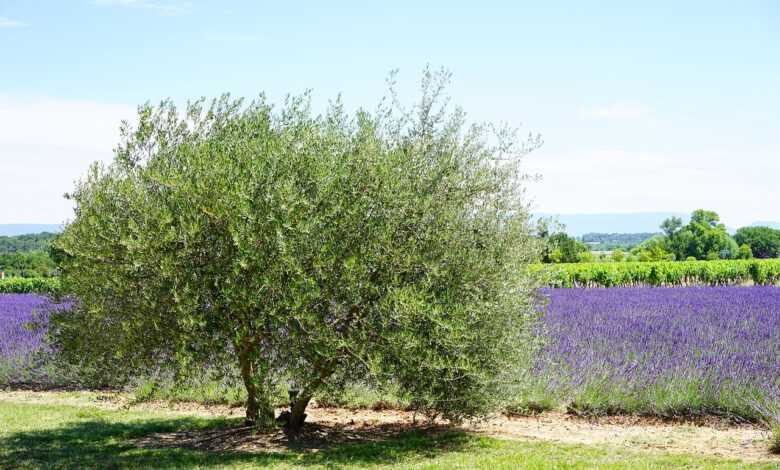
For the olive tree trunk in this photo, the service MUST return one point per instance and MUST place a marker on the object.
(301, 400)
(298, 412)
(259, 411)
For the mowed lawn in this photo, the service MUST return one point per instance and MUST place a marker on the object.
(35, 435)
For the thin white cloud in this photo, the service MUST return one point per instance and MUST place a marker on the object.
(618, 111)
(47, 144)
(9, 23)
(166, 8)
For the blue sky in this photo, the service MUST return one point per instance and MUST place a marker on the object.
(668, 106)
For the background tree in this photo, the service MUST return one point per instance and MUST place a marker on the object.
(309, 251)
(764, 242)
(671, 226)
(704, 237)
(745, 252)
(561, 248)
(652, 250)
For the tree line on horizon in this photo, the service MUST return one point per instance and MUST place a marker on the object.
(27, 255)
(704, 237)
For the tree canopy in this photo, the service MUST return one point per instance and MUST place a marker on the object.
(308, 250)
(704, 237)
(764, 242)
(556, 246)
(653, 249)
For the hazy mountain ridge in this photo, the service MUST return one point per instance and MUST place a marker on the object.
(634, 222)
(638, 222)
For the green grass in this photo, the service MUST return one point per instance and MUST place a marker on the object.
(65, 436)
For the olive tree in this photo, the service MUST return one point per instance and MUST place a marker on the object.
(308, 250)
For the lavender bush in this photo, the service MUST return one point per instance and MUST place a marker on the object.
(22, 349)
(663, 351)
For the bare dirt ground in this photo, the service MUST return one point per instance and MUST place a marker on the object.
(326, 426)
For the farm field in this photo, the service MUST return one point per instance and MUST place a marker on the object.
(697, 354)
(19, 344)
(593, 274)
(23, 285)
(467, 235)
(662, 273)
(661, 351)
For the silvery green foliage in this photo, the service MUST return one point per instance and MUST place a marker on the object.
(389, 246)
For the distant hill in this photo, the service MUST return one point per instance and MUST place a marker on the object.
(10, 230)
(613, 241)
(27, 243)
(637, 222)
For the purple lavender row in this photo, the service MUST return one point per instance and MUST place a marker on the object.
(719, 340)
(713, 342)
(19, 344)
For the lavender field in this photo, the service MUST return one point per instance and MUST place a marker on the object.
(665, 351)
(661, 351)
(20, 346)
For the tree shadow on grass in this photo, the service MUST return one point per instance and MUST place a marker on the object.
(188, 442)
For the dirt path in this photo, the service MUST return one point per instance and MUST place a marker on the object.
(742, 442)
(328, 425)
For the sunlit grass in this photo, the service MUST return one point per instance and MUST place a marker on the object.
(62, 436)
